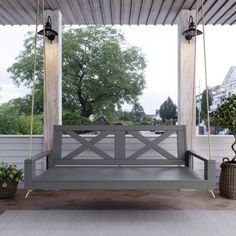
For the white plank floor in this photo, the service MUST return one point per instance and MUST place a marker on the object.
(118, 223)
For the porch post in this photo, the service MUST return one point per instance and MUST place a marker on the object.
(53, 80)
(186, 84)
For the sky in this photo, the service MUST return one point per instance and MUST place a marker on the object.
(159, 46)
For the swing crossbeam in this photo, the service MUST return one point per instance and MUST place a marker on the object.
(119, 169)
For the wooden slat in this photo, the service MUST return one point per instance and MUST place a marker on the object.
(217, 12)
(181, 143)
(206, 11)
(178, 11)
(82, 148)
(143, 162)
(119, 127)
(120, 146)
(89, 145)
(168, 12)
(107, 12)
(225, 14)
(229, 18)
(159, 11)
(150, 144)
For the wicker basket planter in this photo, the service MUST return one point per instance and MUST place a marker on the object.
(9, 191)
(227, 183)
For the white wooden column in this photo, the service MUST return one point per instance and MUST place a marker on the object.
(186, 76)
(53, 80)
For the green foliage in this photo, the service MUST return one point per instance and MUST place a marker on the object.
(100, 71)
(74, 118)
(225, 115)
(203, 113)
(138, 111)
(9, 172)
(12, 121)
(168, 111)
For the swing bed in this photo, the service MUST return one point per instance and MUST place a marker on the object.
(119, 168)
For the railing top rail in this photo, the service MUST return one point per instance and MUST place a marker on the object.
(119, 127)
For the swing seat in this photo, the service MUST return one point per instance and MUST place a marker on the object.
(119, 157)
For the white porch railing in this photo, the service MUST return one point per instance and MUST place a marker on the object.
(15, 148)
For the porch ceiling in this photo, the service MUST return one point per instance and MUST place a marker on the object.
(121, 12)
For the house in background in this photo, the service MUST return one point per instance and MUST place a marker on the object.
(219, 93)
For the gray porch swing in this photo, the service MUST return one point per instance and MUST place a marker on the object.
(117, 164)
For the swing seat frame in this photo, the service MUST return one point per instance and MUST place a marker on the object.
(119, 168)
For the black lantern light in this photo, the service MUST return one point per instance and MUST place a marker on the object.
(49, 32)
(191, 31)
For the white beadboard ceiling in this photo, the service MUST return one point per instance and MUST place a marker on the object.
(117, 12)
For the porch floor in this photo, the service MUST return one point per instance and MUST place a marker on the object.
(117, 200)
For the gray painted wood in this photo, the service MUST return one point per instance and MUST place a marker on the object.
(151, 144)
(14, 148)
(102, 162)
(119, 178)
(82, 148)
(121, 12)
(122, 174)
(88, 145)
(119, 148)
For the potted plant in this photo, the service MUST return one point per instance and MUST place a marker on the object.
(10, 176)
(225, 117)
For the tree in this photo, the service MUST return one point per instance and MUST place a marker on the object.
(168, 110)
(12, 121)
(138, 111)
(100, 71)
(225, 117)
(203, 113)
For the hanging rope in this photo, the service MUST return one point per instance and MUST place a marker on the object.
(194, 81)
(34, 82)
(206, 84)
(45, 109)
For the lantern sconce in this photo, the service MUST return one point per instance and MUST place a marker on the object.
(49, 32)
(191, 31)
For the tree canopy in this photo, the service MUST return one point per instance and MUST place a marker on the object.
(203, 113)
(168, 110)
(100, 70)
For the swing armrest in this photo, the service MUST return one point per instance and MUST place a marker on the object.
(194, 154)
(30, 167)
(41, 155)
(209, 168)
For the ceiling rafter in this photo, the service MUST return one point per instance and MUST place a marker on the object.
(149, 12)
(130, 11)
(84, 16)
(207, 11)
(170, 8)
(106, 12)
(234, 13)
(159, 12)
(217, 12)
(111, 11)
(140, 11)
(93, 13)
(7, 9)
(71, 6)
(102, 12)
(177, 13)
(224, 14)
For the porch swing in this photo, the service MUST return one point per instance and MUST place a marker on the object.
(117, 166)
